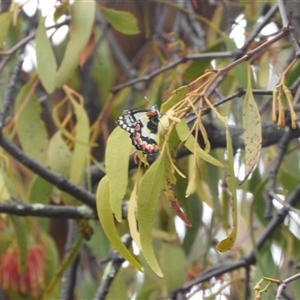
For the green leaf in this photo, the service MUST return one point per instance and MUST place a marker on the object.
(106, 218)
(19, 226)
(173, 262)
(80, 30)
(198, 67)
(190, 142)
(81, 147)
(240, 70)
(252, 129)
(39, 190)
(64, 265)
(177, 95)
(116, 159)
(231, 180)
(46, 63)
(30, 128)
(148, 195)
(4, 189)
(59, 155)
(124, 22)
(52, 256)
(5, 21)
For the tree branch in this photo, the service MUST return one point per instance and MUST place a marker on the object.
(59, 181)
(49, 211)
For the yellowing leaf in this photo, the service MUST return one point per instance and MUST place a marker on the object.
(116, 160)
(252, 129)
(122, 21)
(231, 180)
(81, 147)
(46, 63)
(148, 196)
(82, 20)
(131, 217)
(190, 142)
(5, 21)
(108, 225)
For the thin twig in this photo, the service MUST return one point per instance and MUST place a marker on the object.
(284, 283)
(286, 23)
(181, 60)
(282, 148)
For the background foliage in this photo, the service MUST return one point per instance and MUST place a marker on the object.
(225, 76)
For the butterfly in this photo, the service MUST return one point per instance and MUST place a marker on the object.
(142, 124)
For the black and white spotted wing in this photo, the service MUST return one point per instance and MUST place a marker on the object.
(142, 124)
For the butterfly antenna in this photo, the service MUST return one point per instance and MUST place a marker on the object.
(145, 97)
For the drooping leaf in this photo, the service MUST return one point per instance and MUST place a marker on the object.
(81, 147)
(148, 196)
(227, 243)
(252, 129)
(80, 31)
(190, 142)
(21, 238)
(64, 265)
(122, 21)
(30, 127)
(116, 160)
(131, 217)
(106, 218)
(46, 63)
(172, 261)
(4, 190)
(59, 155)
(52, 256)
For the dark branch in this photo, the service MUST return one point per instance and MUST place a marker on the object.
(49, 211)
(111, 270)
(59, 181)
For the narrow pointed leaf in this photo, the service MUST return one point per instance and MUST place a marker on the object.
(106, 218)
(59, 155)
(116, 160)
(231, 180)
(148, 196)
(81, 147)
(46, 63)
(82, 20)
(30, 128)
(20, 235)
(122, 21)
(190, 142)
(252, 129)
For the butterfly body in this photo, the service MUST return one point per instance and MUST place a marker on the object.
(142, 124)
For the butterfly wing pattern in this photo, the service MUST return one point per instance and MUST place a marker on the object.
(142, 124)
